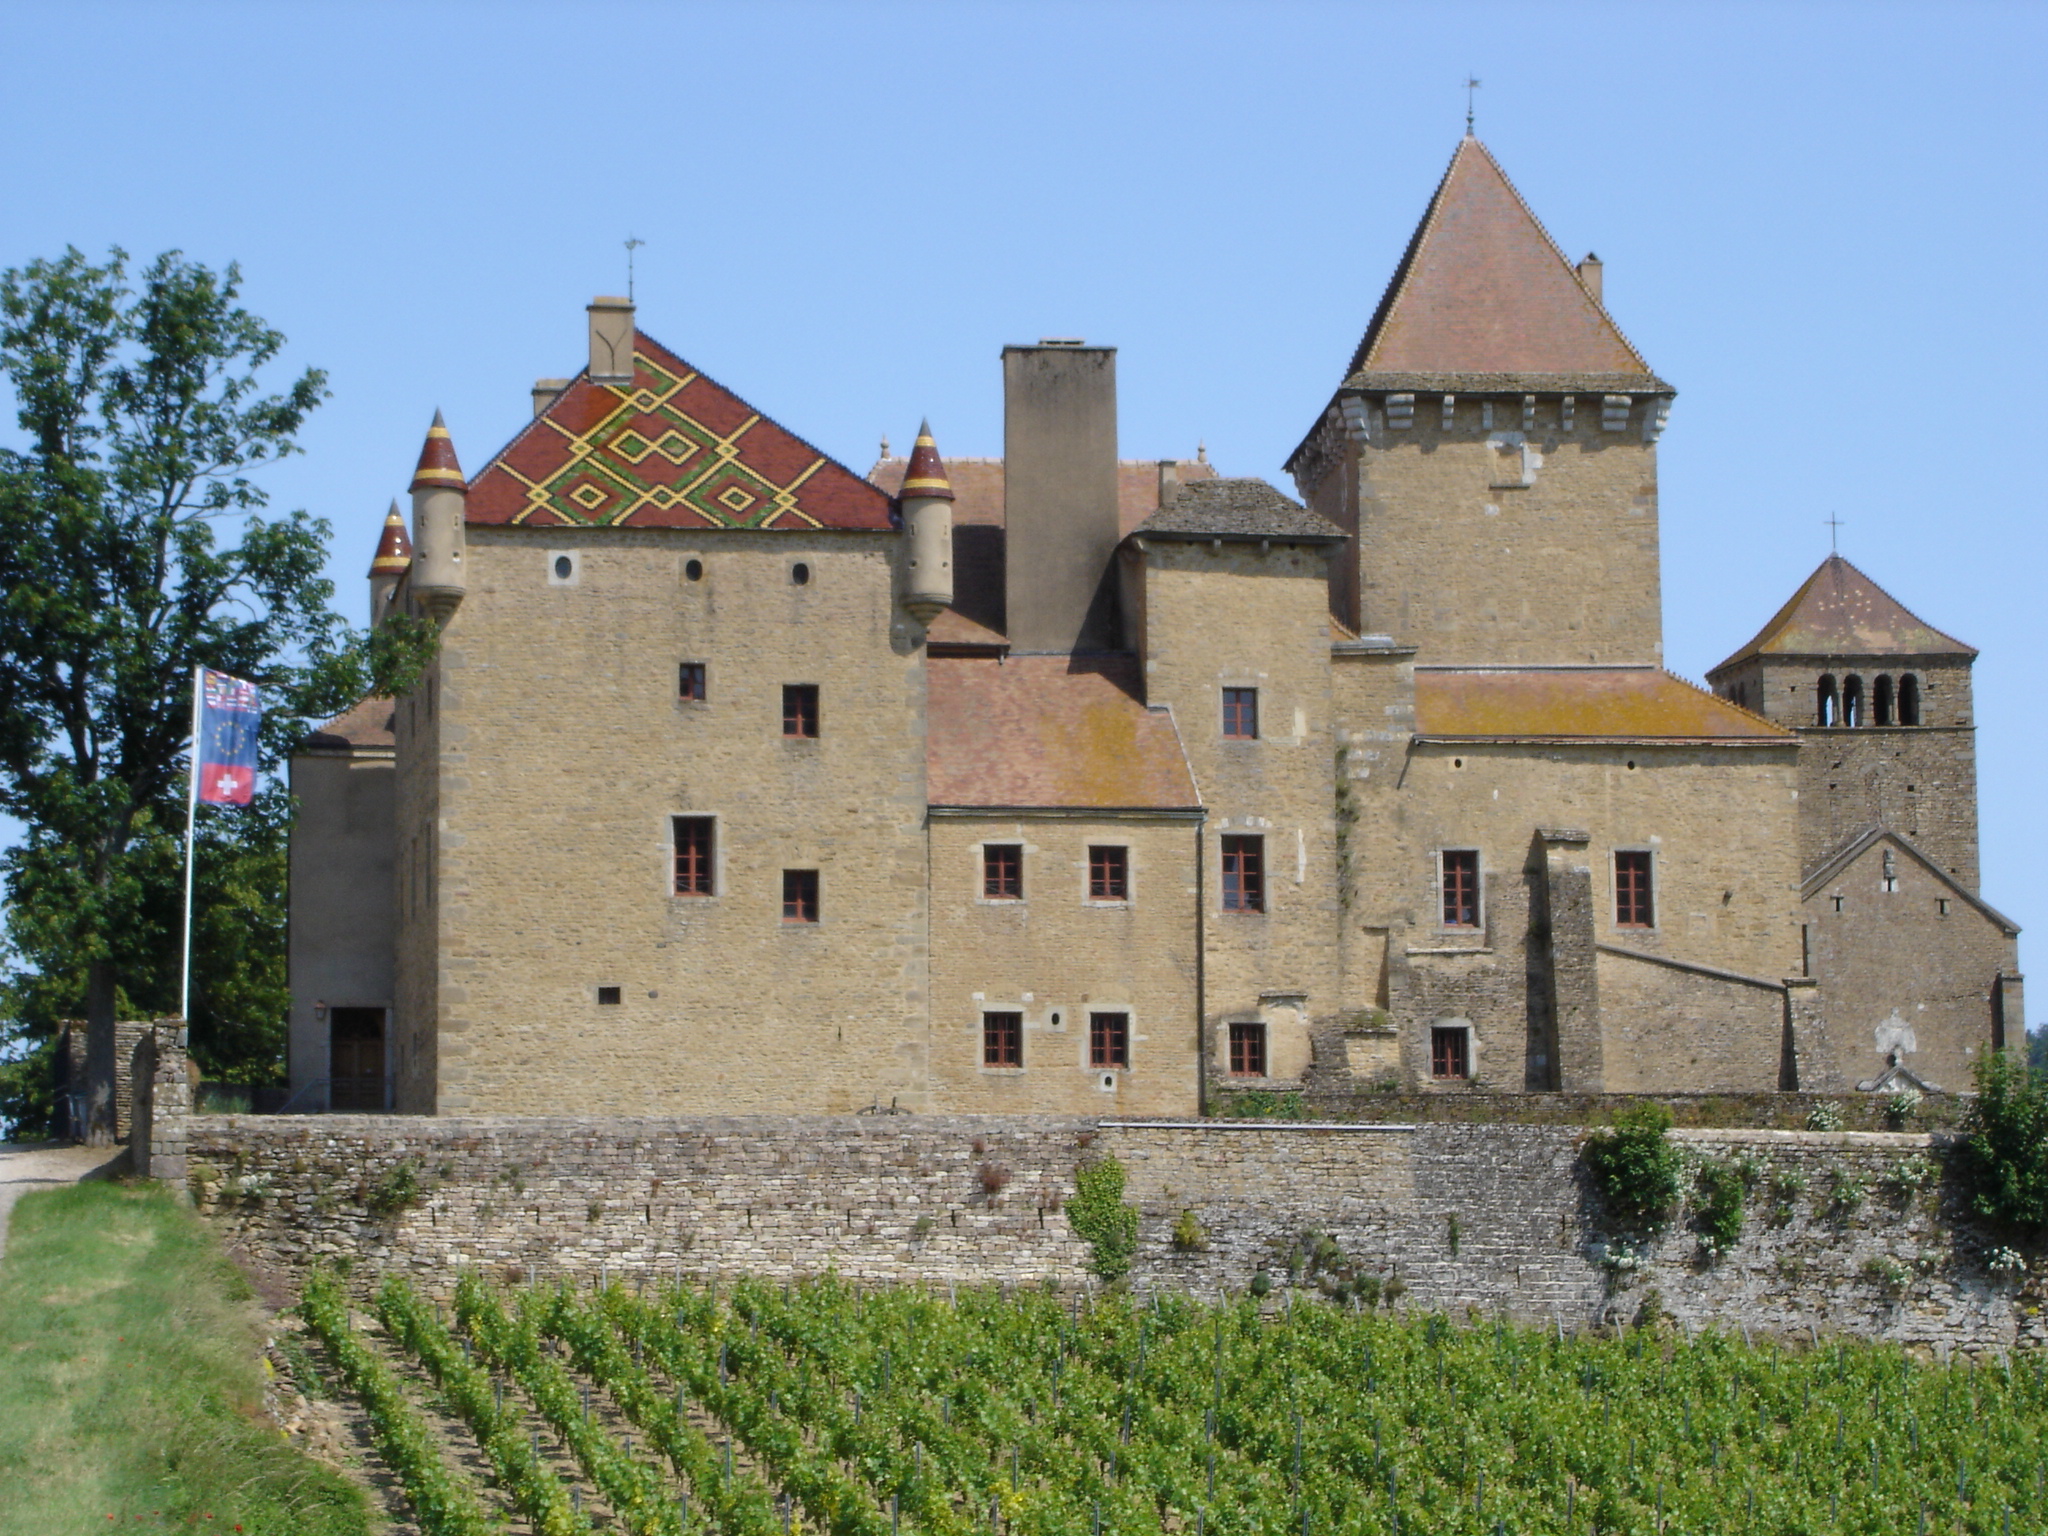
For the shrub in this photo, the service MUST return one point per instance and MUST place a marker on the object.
(1848, 1191)
(995, 1178)
(1824, 1116)
(1188, 1236)
(2004, 1153)
(1901, 1108)
(1636, 1168)
(1719, 1189)
(399, 1188)
(1100, 1218)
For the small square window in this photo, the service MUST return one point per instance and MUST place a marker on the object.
(694, 847)
(1002, 871)
(1450, 1052)
(1247, 1050)
(1002, 1039)
(1109, 873)
(1244, 874)
(800, 709)
(691, 686)
(1633, 906)
(1109, 1039)
(1461, 887)
(1241, 713)
(799, 895)
(608, 995)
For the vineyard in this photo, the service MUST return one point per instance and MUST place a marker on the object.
(755, 1410)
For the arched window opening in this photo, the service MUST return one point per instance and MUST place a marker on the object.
(1829, 711)
(1852, 701)
(1909, 700)
(1881, 701)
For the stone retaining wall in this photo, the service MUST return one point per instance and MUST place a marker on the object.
(979, 1200)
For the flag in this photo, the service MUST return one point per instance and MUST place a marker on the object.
(225, 753)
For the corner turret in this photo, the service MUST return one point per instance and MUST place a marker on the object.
(439, 501)
(392, 560)
(927, 501)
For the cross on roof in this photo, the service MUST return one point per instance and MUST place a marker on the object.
(1471, 85)
(1834, 528)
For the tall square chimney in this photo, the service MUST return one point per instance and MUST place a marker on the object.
(1060, 496)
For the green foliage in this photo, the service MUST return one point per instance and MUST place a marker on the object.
(2003, 1157)
(1188, 1236)
(1719, 1189)
(1636, 1169)
(1264, 1104)
(1100, 1218)
(1824, 1116)
(132, 1393)
(398, 1189)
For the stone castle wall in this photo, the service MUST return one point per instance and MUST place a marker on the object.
(1494, 1217)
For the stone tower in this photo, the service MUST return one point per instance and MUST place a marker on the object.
(438, 494)
(1493, 448)
(388, 566)
(1882, 700)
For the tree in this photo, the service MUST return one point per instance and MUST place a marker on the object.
(2004, 1151)
(143, 421)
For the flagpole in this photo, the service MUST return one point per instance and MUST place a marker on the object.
(191, 821)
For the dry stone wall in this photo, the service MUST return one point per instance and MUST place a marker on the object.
(1849, 1232)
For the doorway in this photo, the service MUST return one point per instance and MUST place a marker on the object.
(356, 1059)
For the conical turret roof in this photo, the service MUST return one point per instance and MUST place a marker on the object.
(926, 475)
(394, 548)
(1839, 611)
(438, 469)
(1483, 293)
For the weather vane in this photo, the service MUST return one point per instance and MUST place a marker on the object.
(633, 243)
(1471, 85)
(1834, 528)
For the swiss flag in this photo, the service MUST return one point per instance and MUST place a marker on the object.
(229, 712)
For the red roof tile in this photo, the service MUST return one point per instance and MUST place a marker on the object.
(1625, 703)
(394, 547)
(1839, 611)
(675, 450)
(1483, 289)
(1049, 731)
(367, 723)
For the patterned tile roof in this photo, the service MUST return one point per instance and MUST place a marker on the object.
(675, 450)
(1591, 703)
(1483, 290)
(1237, 509)
(1839, 611)
(394, 547)
(1049, 732)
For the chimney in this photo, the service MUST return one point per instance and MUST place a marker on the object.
(1169, 481)
(611, 340)
(1589, 275)
(546, 392)
(1060, 496)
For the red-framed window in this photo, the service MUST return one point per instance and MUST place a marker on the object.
(799, 895)
(696, 842)
(1634, 902)
(1109, 873)
(1002, 871)
(690, 682)
(800, 709)
(1248, 1050)
(1244, 873)
(1461, 887)
(1002, 1039)
(1450, 1052)
(1109, 1039)
(1241, 714)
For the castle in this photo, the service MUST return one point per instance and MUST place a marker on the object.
(745, 782)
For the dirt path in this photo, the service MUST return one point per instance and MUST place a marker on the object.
(29, 1166)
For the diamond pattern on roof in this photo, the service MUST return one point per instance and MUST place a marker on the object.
(675, 450)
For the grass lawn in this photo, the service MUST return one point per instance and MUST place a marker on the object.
(131, 1381)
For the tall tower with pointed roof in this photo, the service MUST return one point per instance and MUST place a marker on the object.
(1493, 448)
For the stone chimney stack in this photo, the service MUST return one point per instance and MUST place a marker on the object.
(1589, 275)
(1169, 481)
(611, 340)
(546, 392)
(1060, 496)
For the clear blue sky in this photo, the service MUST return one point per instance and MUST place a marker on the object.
(1823, 223)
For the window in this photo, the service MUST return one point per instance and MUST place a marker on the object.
(693, 855)
(1244, 874)
(800, 709)
(1909, 700)
(799, 895)
(800, 575)
(1002, 1039)
(1247, 1050)
(1109, 874)
(1881, 701)
(1633, 906)
(1827, 711)
(1852, 701)
(608, 996)
(1461, 887)
(1241, 713)
(1002, 871)
(690, 682)
(1450, 1051)
(693, 570)
(1109, 1039)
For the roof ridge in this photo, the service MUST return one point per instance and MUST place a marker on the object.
(1885, 593)
(1782, 622)
(1727, 703)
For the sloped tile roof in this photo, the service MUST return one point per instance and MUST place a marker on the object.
(1839, 611)
(675, 450)
(367, 723)
(1237, 509)
(1592, 703)
(1483, 290)
(1049, 732)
